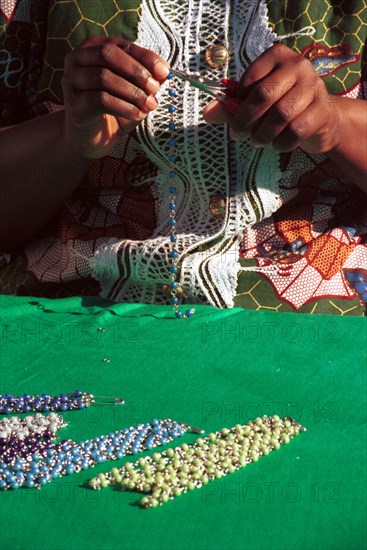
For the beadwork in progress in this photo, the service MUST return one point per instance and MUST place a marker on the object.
(166, 475)
(34, 465)
(75, 400)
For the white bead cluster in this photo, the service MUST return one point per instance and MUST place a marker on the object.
(20, 428)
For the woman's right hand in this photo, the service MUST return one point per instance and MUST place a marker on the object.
(109, 87)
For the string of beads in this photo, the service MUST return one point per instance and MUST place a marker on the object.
(75, 400)
(174, 288)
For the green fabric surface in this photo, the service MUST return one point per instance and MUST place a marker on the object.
(213, 370)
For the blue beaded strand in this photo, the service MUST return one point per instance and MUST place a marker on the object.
(72, 401)
(44, 403)
(37, 468)
(174, 255)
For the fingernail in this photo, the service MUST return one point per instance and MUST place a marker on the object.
(232, 106)
(233, 134)
(161, 70)
(152, 85)
(255, 144)
(151, 103)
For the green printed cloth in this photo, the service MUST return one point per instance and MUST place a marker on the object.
(215, 369)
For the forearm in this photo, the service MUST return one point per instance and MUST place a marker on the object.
(350, 155)
(38, 171)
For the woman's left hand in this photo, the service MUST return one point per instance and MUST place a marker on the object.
(281, 101)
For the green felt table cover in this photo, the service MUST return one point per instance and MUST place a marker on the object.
(215, 369)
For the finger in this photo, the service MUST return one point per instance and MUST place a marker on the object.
(126, 126)
(102, 79)
(157, 66)
(215, 113)
(264, 65)
(299, 129)
(116, 53)
(234, 135)
(281, 114)
(265, 93)
(113, 60)
(139, 53)
(89, 105)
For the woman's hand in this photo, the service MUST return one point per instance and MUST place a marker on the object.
(109, 86)
(281, 101)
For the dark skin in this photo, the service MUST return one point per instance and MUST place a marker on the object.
(109, 87)
(283, 102)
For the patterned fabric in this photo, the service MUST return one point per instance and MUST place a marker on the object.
(302, 236)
